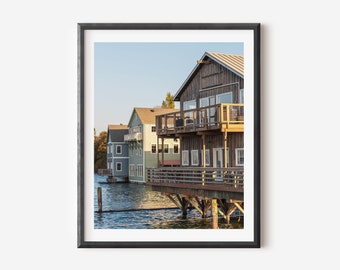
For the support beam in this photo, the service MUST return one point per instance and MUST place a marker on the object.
(157, 152)
(214, 211)
(174, 201)
(203, 173)
(239, 207)
(162, 151)
(225, 149)
(196, 205)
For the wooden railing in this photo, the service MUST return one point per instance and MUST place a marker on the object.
(229, 116)
(232, 177)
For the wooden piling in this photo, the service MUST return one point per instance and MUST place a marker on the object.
(100, 202)
(214, 212)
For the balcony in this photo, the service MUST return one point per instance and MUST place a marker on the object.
(133, 137)
(219, 117)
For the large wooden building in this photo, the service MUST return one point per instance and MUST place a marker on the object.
(210, 123)
(210, 129)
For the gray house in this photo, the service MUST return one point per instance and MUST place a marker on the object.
(117, 153)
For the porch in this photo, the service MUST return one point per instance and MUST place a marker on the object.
(219, 117)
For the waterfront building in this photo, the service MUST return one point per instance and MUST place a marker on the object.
(117, 153)
(211, 113)
(144, 148)
(210, 128)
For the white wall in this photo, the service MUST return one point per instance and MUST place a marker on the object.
(300, 133)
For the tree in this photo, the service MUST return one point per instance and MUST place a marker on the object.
(169, 101)
(100, 151)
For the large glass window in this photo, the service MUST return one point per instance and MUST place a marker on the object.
(224, 98)
(207, 115)
(189, 105)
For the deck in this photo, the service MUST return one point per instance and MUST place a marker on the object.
(219, 117)
(219, 190)
(220, 183)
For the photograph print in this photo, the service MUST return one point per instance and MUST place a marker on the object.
(168, 135)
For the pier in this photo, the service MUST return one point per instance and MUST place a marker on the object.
(219, 190)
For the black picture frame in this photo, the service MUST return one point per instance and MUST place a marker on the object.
(83, 242)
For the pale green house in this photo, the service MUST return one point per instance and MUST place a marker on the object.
(145, 150)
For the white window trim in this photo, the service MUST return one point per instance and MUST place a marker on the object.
(140, 171)
(237, 156)
(194, 157)
(207, 153)
(186, 152)
(121, 166)
(121, 150)
(132, 169)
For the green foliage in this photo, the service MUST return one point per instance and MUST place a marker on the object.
(169, 101)
(100, 151)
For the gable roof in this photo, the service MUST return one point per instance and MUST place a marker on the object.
(234, 63)
(147, 115)
(116, 132)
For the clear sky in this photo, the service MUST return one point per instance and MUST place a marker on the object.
(128, 75)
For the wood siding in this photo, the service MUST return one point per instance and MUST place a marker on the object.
(211, 76)
(234, 140)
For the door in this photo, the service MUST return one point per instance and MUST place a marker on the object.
(218, 163)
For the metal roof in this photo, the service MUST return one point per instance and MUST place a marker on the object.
(234, 63)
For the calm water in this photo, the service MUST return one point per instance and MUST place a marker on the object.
(133, 206)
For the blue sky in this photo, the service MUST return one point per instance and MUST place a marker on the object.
(128, 75)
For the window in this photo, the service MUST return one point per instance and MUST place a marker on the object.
(118, 149)
(153, 148)
(176, 149)
(153, 129)
(132, 169)
(239, 152)
(166, 148)
(194, 157)
(241, 99)
(118, 166)
(140, 170)
(140, 151)
(208, 115)
(185, 158)
(207, 157)
(225, 98)
(189, 105)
